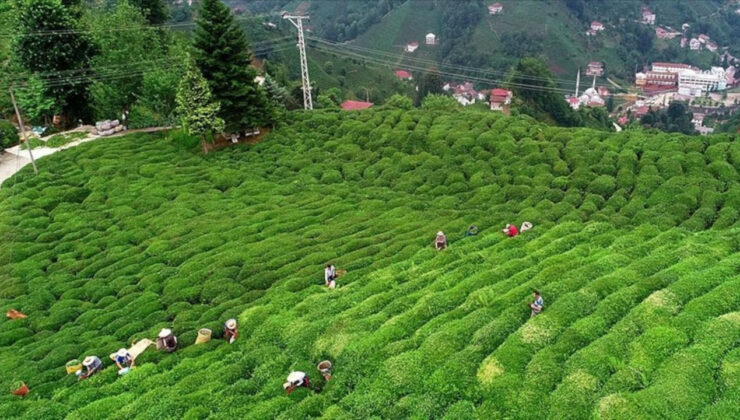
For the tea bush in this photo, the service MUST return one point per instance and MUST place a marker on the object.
(634, 248)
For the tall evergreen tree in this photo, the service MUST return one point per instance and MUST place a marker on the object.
(64, 57)
(222, 55)
(196, 107)
(155, 11)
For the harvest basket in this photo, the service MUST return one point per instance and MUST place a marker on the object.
(73, 366)
(204, 336)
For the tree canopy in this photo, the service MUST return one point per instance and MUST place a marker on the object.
(62, 57)
(222, 55)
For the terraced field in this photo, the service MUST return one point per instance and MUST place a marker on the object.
(635, 249)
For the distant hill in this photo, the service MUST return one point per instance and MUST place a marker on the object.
(555, 30)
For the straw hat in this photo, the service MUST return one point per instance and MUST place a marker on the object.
(122, 352)
(440, 233)
(164, 333)
(231, 324)
(88, 361)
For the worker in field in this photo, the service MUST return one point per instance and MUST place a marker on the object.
(510, 230)
(93, 365)
(330, 274)
(123, 359)
(472, 230)
(230, 332)
(167, 340)
(440, 242)
(295, 380)
(538, 303)
(525, 227)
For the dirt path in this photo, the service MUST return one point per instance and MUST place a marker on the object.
(14, 158)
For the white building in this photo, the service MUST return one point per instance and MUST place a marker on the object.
(495, 8)
(648, 17)
(695, 83)
(431, 39)
(695, 44)
(411, 46)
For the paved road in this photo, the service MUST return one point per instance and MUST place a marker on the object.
(14, 159)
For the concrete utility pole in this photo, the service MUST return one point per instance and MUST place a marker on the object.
(23, 130)
(297, 21)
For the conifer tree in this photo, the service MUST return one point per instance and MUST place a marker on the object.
(196, 107)
(223, 58)
(155, 11)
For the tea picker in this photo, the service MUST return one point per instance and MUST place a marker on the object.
(538, 303)
(330, 273)
(325, 369)
(472, 230)
(510, 230)
(124, 360)
(440, 242)
(295, 380)
(93, 364)
(166, 340)
(230, 331)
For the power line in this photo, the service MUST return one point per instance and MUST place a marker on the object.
(94, 75)
(390, 64)
(365, 50)
(123, 29)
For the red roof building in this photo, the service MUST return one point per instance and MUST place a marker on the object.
(403, 75)
(597, 26)
(500, 99)
(640, 111)
(355, 105)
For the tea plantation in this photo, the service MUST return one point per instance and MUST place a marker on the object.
(636, 250)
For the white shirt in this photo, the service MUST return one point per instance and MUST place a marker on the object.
(328, 272)
(296, 378)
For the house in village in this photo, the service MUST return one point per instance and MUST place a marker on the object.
(574, 102)
(663, 33)
(355, 105)
(431, 39)
(495, 8)
(595, 68)
(603, 91)
(684, 41)
(694, 44)
(403, 75)
(711, 46)
(411, 47)
(500, 99)
(597, 26)
(648, 17)
(464, 93)
(703, 38)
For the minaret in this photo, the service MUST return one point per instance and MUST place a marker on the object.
(578, 81)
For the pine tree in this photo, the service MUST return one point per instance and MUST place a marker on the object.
(196, 107)
(64, 56)
(223, 58)
(155, 11)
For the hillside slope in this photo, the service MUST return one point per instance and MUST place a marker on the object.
(635, 248)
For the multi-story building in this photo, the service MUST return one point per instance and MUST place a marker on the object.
(695, 83)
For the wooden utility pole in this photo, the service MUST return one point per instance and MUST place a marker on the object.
(23, 130)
